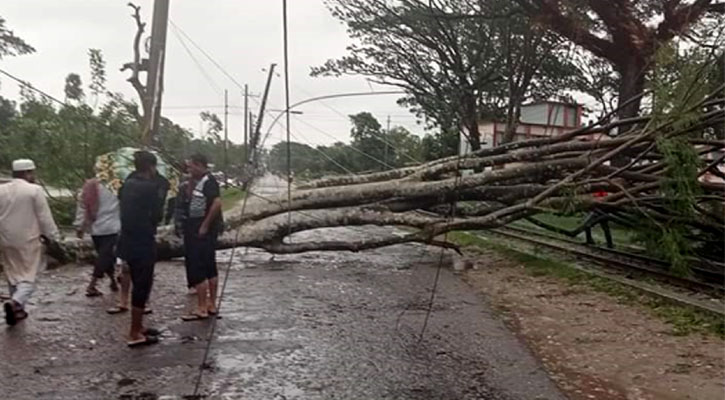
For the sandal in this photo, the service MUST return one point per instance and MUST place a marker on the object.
(117, 310)
(93, 292)
(193, 317)
(10, 317)
(147, 340)
(20, 315)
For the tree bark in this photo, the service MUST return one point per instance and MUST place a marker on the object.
(554, 174)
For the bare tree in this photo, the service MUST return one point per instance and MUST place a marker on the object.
(138, 65)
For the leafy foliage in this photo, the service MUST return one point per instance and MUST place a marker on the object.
(11, 45)
(372, 149)
(457, 63)
(64, 141)
(678, 87)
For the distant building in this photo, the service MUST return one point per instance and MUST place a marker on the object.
(538, 120)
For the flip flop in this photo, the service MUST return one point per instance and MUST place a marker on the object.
(20, 315)
(147, 340)
(93, 292)
(116, 310)
(10, 317)
(193, 317)
(148, 311)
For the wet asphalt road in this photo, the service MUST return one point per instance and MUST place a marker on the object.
(310, 326)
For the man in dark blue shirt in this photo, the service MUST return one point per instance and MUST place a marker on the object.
(141, 200)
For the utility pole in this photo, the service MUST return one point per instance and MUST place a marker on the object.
(254, 139)
(286, 110)
(246, 122)
(226, 134)
(155, 76)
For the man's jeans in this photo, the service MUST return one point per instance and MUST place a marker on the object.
(21, 292)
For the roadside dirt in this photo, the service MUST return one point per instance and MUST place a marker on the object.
(593, 346)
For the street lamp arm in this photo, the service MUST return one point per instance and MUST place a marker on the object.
(326, 97)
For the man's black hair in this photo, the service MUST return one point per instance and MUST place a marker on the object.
(144, 161)
(200, 159)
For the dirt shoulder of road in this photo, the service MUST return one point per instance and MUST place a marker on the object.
(594, 344)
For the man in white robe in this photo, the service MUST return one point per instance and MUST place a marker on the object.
(25, 222)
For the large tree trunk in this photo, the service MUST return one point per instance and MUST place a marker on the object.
(631, 87)
(632, 72)
(470, 122)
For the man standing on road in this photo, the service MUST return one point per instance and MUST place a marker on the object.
(141, 203)
(97, 213)
(25, 223)
(202, 222)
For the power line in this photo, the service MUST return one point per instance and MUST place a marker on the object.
(383, 163)
(193, 58)
(317, 149)
(30, 86)
(210, 58)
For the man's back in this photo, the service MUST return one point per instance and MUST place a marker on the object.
(24, 214)
(140, 214)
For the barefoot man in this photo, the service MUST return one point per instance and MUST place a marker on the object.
(202, 223)
(141, 212)
(25, 221)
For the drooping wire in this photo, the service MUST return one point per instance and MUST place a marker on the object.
(201, 68)
(285, 40)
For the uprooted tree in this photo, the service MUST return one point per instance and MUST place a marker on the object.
(671, 186)
(493, 187)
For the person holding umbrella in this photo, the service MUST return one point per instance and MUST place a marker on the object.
(97, 213)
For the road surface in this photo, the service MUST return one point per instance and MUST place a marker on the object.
(310, 326)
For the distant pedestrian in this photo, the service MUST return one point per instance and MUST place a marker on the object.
(25, 224)
(97, 213)
(201, 217)
(141, 201)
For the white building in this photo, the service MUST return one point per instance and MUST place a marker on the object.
(538, 120)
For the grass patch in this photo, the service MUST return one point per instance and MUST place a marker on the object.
(230, 197)
(684, 319)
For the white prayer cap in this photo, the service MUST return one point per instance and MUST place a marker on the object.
(23, 165)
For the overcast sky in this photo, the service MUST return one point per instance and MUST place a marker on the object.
(243, 36)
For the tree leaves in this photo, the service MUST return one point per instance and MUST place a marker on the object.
(11, 45)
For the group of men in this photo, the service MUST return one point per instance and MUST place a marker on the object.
(123, 230)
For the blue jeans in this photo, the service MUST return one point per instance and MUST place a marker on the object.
(21, 292)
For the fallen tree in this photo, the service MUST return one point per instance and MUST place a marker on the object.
(660, 189)
(492, 187)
